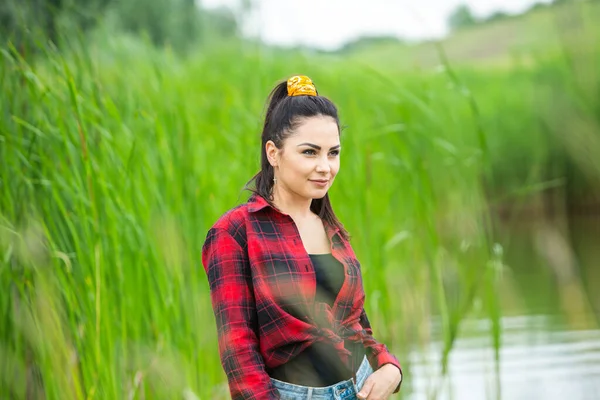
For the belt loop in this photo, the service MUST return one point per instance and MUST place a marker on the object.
(309, 394)
(354, 368)
(354, 384)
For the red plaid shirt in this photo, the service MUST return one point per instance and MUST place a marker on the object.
(262, 286)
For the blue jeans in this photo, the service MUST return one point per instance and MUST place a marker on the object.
(344, 390)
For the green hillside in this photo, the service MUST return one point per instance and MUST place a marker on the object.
(513, 40)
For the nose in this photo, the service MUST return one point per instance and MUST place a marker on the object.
(323, 166)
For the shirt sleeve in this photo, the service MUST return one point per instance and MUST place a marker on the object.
(230, 281)
(377, 353)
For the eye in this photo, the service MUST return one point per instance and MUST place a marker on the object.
(309, 152)
(334, 153)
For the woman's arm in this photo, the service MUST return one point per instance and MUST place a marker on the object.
(230, 281)
(378, 353)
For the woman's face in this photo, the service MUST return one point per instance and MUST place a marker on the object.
(309, 160)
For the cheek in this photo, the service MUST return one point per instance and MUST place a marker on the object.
(335, 168)
(297, 167)
(304, 167)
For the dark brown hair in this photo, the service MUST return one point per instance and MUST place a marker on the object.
(284, 114)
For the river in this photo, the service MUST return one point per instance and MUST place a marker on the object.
(550, 338)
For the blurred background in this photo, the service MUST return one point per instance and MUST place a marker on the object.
(470, 183)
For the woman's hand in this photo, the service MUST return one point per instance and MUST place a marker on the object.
(381, 383)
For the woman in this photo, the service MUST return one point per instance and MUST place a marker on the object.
(285, 284)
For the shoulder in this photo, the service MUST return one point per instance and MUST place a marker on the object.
(237, 216)
(233, 223)
(233, 219)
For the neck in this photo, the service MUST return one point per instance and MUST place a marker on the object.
(291, 204)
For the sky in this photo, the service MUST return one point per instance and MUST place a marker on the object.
(328, 24)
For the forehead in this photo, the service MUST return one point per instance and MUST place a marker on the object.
(321, 130)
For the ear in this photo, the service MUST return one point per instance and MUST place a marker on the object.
(272, 153)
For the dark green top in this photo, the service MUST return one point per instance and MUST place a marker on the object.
(320, 365)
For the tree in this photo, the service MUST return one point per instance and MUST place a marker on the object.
(461, 17)
(497, 16)
(27, 23)
(369, 41)
(537, 6)
(178, 23)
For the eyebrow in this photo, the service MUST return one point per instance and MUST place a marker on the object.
(314, 146)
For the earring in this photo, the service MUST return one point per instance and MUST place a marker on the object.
(274, 181)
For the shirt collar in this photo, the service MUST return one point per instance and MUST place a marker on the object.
(256, 203)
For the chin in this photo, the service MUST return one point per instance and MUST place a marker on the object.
(319, 194)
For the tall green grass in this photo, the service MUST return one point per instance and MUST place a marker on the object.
(117, 158)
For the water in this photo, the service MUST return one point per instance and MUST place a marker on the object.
(550, 338)
(537, 361)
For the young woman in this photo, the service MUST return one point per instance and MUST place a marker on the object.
(285, 284)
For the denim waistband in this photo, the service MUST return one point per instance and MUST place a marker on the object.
(341, 390)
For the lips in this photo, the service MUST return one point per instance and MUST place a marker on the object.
(320, 183)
